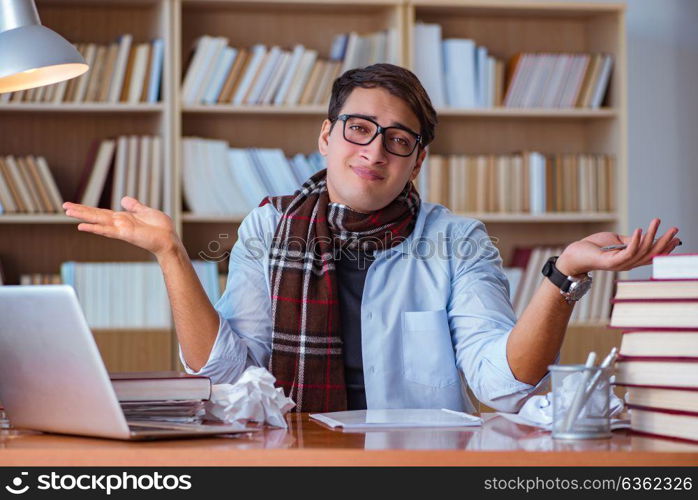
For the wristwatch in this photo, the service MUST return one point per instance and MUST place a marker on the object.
(572, 289)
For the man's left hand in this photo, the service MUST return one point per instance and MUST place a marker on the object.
(586, 255)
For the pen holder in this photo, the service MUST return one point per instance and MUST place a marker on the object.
(580, 411)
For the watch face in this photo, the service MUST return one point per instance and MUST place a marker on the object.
(579, 288)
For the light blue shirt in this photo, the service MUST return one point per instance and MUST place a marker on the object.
(435, 315)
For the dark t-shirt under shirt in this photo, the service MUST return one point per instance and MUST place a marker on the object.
(352, 267)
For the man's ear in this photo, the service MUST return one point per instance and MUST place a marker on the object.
(418, 165)
(324, 138)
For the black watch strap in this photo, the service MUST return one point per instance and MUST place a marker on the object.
(558, 278)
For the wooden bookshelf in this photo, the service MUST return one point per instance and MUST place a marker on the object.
(506, 28)
(62, 133)
(91, 107)
(315, 111)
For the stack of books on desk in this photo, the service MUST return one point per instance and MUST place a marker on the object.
(162, 396)
(659, 348)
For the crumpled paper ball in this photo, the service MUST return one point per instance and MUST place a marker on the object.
(252, 398)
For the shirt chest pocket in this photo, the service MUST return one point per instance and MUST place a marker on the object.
(427, 351)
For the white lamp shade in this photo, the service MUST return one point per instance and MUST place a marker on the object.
(32, 55)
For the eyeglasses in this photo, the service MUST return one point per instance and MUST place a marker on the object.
(360, 130)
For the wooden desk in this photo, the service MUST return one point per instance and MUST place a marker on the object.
(497, 442)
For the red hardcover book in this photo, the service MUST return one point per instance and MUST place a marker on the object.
(675, 266)
(662, 313)
(667, 398)
(162, 385)
(659, 342)
(520, 257)
(673, 424)
(667, 372)
(657, 289)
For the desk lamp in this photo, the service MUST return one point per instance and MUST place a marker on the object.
(32, 55)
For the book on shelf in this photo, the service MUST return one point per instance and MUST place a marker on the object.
(456, 72)
(219, 180)
(546, 80)
(116, 84)
(125, 166)
(120, 295)
(223, 68)
(19, 186)
(97, 168)
(120, 72)
(261, 75)
(77, 88)
(678, 266)
(27, 186)
(459, 73)
(40, 279)
(2, 274)
(160, 386)
(527, 182)
(136, 81)
(234, 76)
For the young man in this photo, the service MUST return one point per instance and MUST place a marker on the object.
(355, 293)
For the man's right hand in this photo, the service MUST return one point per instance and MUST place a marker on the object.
(139, 225)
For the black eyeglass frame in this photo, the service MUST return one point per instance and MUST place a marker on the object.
(379, 130)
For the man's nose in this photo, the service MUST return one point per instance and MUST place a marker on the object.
(374, 151)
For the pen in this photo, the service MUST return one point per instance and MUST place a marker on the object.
(575, 406)
(607, 361)
(623, 246)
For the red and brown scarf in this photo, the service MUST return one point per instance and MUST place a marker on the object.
(306, 356)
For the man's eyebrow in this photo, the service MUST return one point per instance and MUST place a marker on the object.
(375, 118)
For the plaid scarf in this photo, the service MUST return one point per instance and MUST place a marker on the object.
(306, 354)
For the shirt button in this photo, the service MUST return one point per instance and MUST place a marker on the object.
(372, 369)
(369, 315)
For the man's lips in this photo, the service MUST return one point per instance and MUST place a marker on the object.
(367, 173)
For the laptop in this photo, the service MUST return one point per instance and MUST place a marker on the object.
(53, 379)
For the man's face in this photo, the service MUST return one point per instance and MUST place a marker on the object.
(367, 178)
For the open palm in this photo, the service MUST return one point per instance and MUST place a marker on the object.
(139, 224)
(587, 255)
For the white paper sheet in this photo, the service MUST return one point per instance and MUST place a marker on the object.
(396, 418)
